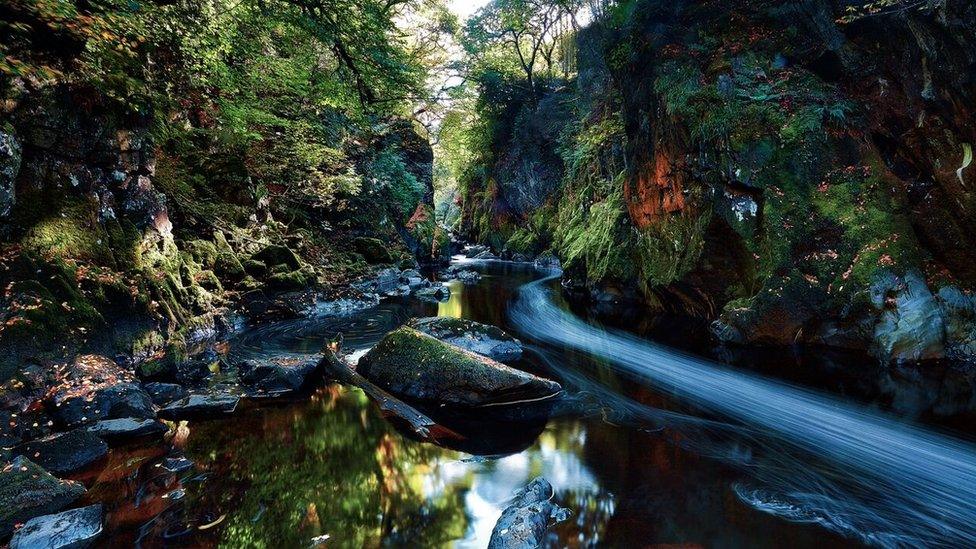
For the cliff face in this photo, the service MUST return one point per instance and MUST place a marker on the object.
(108, 243)
(795, 178)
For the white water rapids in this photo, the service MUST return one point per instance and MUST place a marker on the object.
(850, 469)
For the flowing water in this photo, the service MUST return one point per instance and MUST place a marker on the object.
(657, 443)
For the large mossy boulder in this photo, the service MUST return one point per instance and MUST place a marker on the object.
(274, 255)
(28, 491)
(373, 250)
(474, 336)
(418, 367)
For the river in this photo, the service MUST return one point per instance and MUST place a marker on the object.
(661, 440)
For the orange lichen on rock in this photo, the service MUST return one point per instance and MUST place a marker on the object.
(656, 190)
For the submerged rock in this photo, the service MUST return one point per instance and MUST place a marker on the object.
(124, 429)
(66, 452)
(524, 523)
(75, 529)
(478, 338)
(416, 366)
(200, 405)
(277, 376)
(27, 491)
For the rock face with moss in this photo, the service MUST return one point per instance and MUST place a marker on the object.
(757, 164)
(418, 367)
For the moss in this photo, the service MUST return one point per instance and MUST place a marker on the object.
(292, 280)
(73, 232)
(209, 281)
(410, 363)
(203, 252)
(275, 255)
(47, 493)
(255, 268)
(373, 250)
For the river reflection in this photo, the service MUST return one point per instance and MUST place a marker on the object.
(283, 475)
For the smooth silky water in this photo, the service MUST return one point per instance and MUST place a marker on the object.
(656, 443)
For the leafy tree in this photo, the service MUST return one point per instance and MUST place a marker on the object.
(526, 32)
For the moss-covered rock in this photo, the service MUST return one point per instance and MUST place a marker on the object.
(373, 250)
(275, 255)
(416, 366)
(28, 491)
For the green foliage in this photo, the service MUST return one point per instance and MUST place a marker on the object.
(389, 172)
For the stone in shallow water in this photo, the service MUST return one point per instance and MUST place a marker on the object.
(27, 491)
(123, 429)
(200, 405)
(474, 336)
(416, 366)
(93, 388)
(74, 529)
(434, 293)
(524, 523)
(277, 376)
(66, 452)
(164, 393)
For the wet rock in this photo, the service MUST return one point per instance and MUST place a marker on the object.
(123, 400)
(413, 279)
(438, 293)
(10, 157)
(28, 491)
(66, 452)
(473, 251)
(74, 529)
(164, 393)
(93, 388)
(548, 261)
(277, 376)
(176, 464)
(485, 255)
(198, 368)
(911, 326)
(114, 431)
(388, 282)
(524, 523)
(416, 366)
(519, 257)
(959, 313)
(458, 272)
(200, 406)
(478, 338)
(468, 277)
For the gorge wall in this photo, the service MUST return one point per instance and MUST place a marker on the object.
(786, 170)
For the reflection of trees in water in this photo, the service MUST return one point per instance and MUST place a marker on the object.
(285, 476)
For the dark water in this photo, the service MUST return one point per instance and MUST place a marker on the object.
(639, 465)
